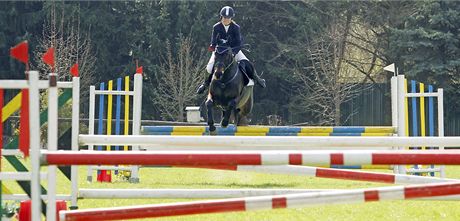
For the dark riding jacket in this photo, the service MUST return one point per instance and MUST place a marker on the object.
(230, 38)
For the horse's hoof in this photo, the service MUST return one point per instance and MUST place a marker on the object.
(212, 129)
(213, 133)
(224, 123)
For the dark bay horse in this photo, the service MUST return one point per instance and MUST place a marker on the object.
(228, 89)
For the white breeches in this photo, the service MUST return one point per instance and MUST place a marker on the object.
(238, 57)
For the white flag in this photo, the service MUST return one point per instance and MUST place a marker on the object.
(390, 68)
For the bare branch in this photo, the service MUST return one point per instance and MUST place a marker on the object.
(327, 82)
(71, 46)
(177, 80)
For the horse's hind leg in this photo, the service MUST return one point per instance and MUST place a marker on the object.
(244, 112)
(227, 113)
(243, 121)
(209, 106)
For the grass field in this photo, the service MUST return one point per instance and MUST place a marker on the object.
(201, 178)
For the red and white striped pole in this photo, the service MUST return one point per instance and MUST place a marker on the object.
(264, 202)
(232, 158)
(342, 174)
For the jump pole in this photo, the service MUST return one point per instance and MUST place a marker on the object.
(231, 158)
(185, 193)
(265, 202)
(208, 193)
(232, 193)
(255, 142)
(344, 174)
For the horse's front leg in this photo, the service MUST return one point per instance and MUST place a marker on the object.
(228, 112)
(209, 107)
(225, 119)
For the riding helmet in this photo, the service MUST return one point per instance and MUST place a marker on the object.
(227, 12)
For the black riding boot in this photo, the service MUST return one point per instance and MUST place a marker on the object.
(259, 80)
(251, 72)
(204, 85)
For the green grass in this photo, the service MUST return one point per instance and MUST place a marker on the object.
(201, 178)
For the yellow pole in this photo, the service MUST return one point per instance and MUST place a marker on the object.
(109, 112)
(109, 118)
(126, 131)
(126, 128)
(422, 119)
(422, 112)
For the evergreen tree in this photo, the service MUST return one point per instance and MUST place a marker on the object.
(429, 47)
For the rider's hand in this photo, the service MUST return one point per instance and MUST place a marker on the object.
(211, 48)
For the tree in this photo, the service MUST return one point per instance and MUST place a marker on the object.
(19, 21)
(326, 83)
(429, 42)
(70, 44)
(177, 79)
(429, 47)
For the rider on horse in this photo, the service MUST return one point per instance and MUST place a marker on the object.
(227, 32)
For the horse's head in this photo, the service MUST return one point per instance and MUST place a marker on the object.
(223, 60)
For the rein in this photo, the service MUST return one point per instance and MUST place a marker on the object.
(234, 75)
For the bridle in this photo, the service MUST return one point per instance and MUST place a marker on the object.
(228, 66)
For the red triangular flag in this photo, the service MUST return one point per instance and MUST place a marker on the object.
(139, 70)
(48, 57)
(74, 70)
(21, 52)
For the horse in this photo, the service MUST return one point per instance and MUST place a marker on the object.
(228, 90)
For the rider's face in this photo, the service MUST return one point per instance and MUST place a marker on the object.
(226, 21)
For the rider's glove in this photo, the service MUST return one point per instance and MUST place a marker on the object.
(211, 48)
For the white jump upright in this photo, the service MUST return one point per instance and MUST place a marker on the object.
(52, 143)
(137, 113)
(399, 97)
(401, 115)
(74, 144)
(34, 113)
(33, 85)
(136, 93)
